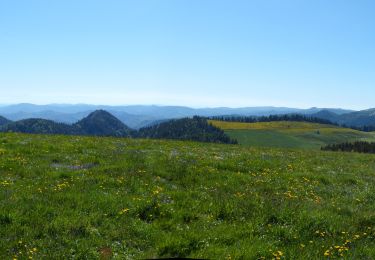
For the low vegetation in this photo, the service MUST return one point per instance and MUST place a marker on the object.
(286, 134)
(64, 197)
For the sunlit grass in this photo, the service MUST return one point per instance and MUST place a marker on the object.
(291, 134)
(84, 197)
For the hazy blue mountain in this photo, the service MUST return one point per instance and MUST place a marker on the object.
(337, 111)
(328, 115)
(357, 118)
(68, 118)
(138, 116)
(360, 118)
(133, 121)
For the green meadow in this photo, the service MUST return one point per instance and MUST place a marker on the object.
(70, 197)
(285, 134)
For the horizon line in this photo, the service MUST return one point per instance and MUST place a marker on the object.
(169, 105)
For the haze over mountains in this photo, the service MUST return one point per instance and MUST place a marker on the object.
(137, 116)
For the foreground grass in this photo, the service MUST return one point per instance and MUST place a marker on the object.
(84, 197)
(285, 134)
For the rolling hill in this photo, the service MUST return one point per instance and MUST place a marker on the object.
(102, 123)
(38, 126)
(290, 134)
(4, 121)
(193, 129)
(354, 119)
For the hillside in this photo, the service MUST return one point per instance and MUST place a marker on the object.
(38, 126)
(90, 198)
(193, 129)
(290, 134)
(102, 123)
(353, 119)
(4, 121)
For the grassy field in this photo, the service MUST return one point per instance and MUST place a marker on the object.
(65, 197)
(290, 134)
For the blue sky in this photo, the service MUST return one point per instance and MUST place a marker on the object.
(200, 53)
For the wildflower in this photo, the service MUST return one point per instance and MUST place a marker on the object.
(327, 253)
(123, 211)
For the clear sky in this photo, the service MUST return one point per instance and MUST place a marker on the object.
(201, 53)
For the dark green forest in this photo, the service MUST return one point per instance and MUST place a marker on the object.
(359, 147)
(273, 118)
(102, 123)
(194, 129)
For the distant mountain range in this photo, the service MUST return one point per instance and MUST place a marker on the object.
(351, 119)
(100, 123)
(103, 123)
(138, 116)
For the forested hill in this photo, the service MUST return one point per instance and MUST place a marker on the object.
(194, 129)
(99, 123)
(4, 121)
(38, 126)
(361, 120)
(102, 123)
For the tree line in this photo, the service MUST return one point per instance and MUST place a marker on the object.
(273, 118)
(366, 128)
(359, 146)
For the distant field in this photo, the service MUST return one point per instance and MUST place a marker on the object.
(71, 197)
(290, 134)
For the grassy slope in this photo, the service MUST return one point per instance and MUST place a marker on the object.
(147, 198)
(290, 134)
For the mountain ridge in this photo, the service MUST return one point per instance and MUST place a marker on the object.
(103, 123)
(138, 116)
(353, 119)
(4, 121)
